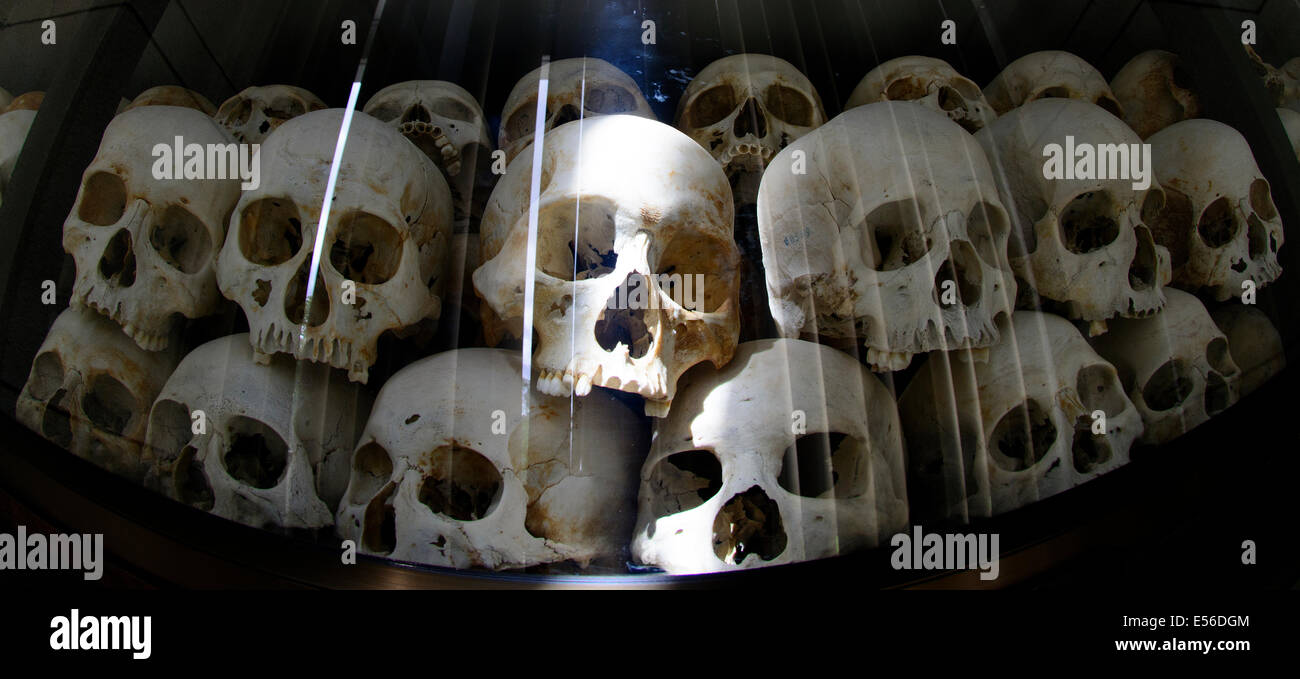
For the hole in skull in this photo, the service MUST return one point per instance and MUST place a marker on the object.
(950, 99)
(607, 100)
(1261, 199)
(262, 292)
(284, 109)
(567, 114)
(47, 376)
(1218, 395)
(238, 114)
(1142, 270)
(191, 482)
(379, 523)
(1099, 389)
(749, 523)
(56, 426)
(1256, 237)
(1022, 437)
(1089, 451)
(1110, 105)
(696, 271)
(683, 481)
(117, 264)
(892, 236)
(366, 249)
(789, 105)
(108, 405)
(1217, 225)
(255, 453)
(270, 231)
(749, 121)
(1169, 385)
(103, 199)
(461, 484)
(371, 469)
(591, 254)
(521, 122)
(824, 465)
(905, 89)
(1088, 222)
(1217, 355)
(296, 304)
(181, 240)
(1058, 92)
(711, 106)
(450, 108)
(623, 320)
(959, 278)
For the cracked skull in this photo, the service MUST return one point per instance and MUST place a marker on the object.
(729, 484)
(927, 81)
(579, 88)
(1155, 92)
(636, 270)
(1050, 75)
(1219, 221)
(449, 473)
(146, 249)
(1175, 365)
(448, 125)
(1043, 414)
(386, 242)
(90, 390)
(1084, 244)
(894, 235)
(255, 112)
(262, 445)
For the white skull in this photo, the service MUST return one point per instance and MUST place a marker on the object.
(727, 478)
(14, 127)
(1175, 365)
(988, 437)
(255, 112)
(744, 109)
(1219, 221)
(90, 390)
(1291, 124)
(1254, 343)
(448, 125)
(576, 88)
(930, 82)
(448, 472)
(173, 95)
(1083, 243)
(625, 203)
(895, 235)
(146, 249)
(272, 444)
(388, 234)
(1154, 91)
(1050, 74)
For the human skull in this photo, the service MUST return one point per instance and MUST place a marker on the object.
(930, 82)
(1255, 345)
(1155, 92)
(448, 471)
(744, 109)
(728, 476)
(1083, 243)
(626, 205)
(1219, 221)
(577, 88)
(30, 101)
(1175, 365)
(14, 127)
(255, 112)
(1050, 74)
(271, 445)
(988, 437)
(90, 390)
(1291, 124)
(146, 249)
(895, 235)
(388, 236)
(173, 95)
(448, 125)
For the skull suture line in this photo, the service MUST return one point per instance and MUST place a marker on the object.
(256, 112)
(729, 485)
(895, 234)
(90, 390)
(1050, 75)
(449, 473)
(927, 81)
(145, 249)
(388, 234)
(626, 203)
(274, 440)
(579, 88)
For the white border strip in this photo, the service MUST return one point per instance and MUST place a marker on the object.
(530, 264)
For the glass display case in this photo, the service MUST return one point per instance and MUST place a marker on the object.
(658, 293)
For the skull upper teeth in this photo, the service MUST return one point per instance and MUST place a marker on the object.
(887, 361)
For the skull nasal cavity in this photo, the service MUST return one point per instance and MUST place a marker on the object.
(1142, 271)
(256, 454)
(1088, 222)
(750, 121)
(416, 114)
(958, 280)
(461, 484)
(1088, 450)
(749, 523)
(297, 306)
(622, 321)
(117, 264)
(566, 114)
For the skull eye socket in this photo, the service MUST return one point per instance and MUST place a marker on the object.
(236, 113)
(181, 240)
(576, 239)
(255, 455)
(608, 100)
(450, 108)
(828, 465)
(711, 106)
(892, 236)
(366, 249)
(1261, 199)
(372, 469)
(696, 271)
(1088, 222)
(461, 484)
(284, 109)
(1022, 437)
(906, 89)
(789, 105)
(1169, 385)
(47, 376)
(270, 231)
(523, 121)
(1099, 389)
(1217, 225)
(683, 481)
(108, 405)
(385, 112)
(1110, 105)
(103, 199)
